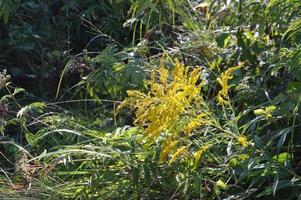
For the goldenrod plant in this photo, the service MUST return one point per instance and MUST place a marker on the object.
(217, 118)
(174, 108)
(223, 80)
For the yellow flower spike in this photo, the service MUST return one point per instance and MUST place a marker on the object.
(170, 96)
(157, 90)
(191, 126)
(168, 146)
(266, 112)
(242, 140)
(178, 72)
(198, 121)
(198, 155)
(222, 96)
(163, 72)
(178, 153)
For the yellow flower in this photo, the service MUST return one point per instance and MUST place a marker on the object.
(222, 96)
(168, 146)
(172, 95)
(198, 155)
(198, 121)
(163, 72)
(242, 140)
(266, 112)
(167, 100)
(179, 152)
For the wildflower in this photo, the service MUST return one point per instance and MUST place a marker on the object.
(198, 154)
(163, 72)
(161, 108)
(259, 112)
(178, 153)
(195, 123)
(222, 96)
(266, 112)
(170, 96)
(168, 146)
(242, 140)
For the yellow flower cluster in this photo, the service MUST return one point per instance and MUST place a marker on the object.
(198, 155)
(242, 140)
(174, 106)
(178, 153)
(266, 112)
(168, 146)
(198, 121)
(171, 95)
(222, 96)
(161, 108)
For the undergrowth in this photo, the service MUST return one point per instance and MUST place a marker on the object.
(149, 99)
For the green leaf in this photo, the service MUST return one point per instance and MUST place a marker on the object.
(30, 138)
(223, 40)
(18, 90)
(275, 184)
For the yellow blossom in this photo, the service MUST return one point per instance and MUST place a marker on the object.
(222, 96)
(171, 96)
(198, 155)
(161, 108)
(266, 112)
(168, 146)
(198, 121)
(179, 152)
(242, 140)
(163, 72)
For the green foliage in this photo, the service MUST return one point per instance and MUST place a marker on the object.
(86, 55)
(113, 73)
(6, 8)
